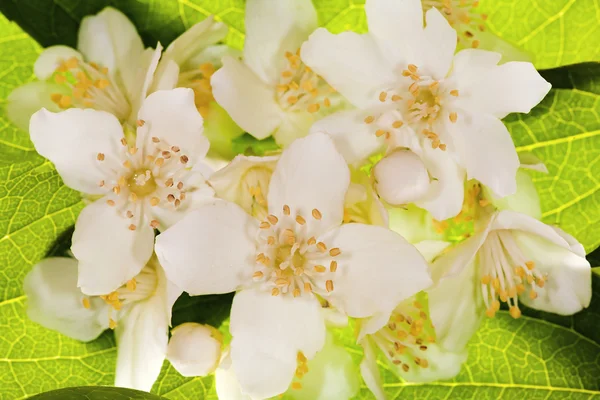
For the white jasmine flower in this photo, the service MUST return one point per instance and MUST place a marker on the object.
(279, 265)
(361, 203)
(511, 257)
(139, 312)
(143, 185)
(408, 81)
(271, 92)
(194, 349)
(331, 374)
(111, 71)
(407, 341)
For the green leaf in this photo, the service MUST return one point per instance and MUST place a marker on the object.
(250, 146)
(96, 393)
(564, 132)
(556, 32)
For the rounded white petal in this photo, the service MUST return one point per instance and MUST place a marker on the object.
(109, 253)
(442, 364)
(446, 192)
(142, 335)
(508, 219)
(311, 174)
(294, 125)
(193, 41)
(575, 246)
(111, 40)
(72, 140)
(569, 286)
(226, 383)
(456, 307)
(272, 29)
(51, 58)
(172, 116)
(268, 332)
(194, 349)
(497, 89)
(25, 100)
(377, 269)
(249, 101)
(397, 26)
(439, 43)
(350, 63)
(430, 249)
(211, 250)
(54, 301)
(487, 151)
(526, 199)
(401, 178)
(351, 135)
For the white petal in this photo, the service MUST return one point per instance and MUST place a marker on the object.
(272, 28)
(139, 86)
(574, 244)
(443, 364)
(351, 135)
(194, 349)
(109, 253)
(310, 175)
(498, 90)
(458, 295)
(111, 40)
(507, 219)
(190, 43)
(471, 63)
(214, 54)
(446, 192)
(370, 370)
(230, 183)
(488, 152)
(268, 332)
(430, 249)
(172, 116)
(439, 43)
(350, 63)
(397, 26)
(413, 223)
(166, 76)
(569, 286)
(226, 383)
(142, 335)
(332, 374)
(532, 162)
(25, 100)
(454, 260)
(401, 178)
(72, 140)
(377, 269)
(250, 102)
(51, 58)
(211, 250)
(54, 301)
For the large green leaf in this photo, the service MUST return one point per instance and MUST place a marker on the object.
(555, 32)
(96, 393)
(564, 132)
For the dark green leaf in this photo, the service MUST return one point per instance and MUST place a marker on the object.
(96, 393)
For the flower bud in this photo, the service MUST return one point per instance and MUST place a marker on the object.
(401, 178)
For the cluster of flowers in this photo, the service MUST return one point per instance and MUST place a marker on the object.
(397, 199)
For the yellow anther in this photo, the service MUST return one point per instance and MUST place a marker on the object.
(453, 117)
(300, 220)
(369, 119)
(131, 285)
(397, 124)
(313, 108)
(514, 312)
(329, 285)
(454, 93)
(530, 265)
(275, 292)
(86, 303)
(272, 219)
(335, 252)
(319, 268)
(333, 266)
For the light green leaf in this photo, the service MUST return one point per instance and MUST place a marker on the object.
(96, 393)
(564, 132)
(556, 32)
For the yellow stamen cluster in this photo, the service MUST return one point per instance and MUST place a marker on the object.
(300, 87)
(462, 15)
(288, 262)
(301, 370)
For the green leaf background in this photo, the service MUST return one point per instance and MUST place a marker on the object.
(538, 356)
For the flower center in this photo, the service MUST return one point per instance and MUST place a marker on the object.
(506, 273)
(199, 81)
(405, 337)
(300, 88)
(420, 101)
(255, 183)
(290, 263)
(89, 86)
(137, 289)
(138, 179)
(462, 15)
